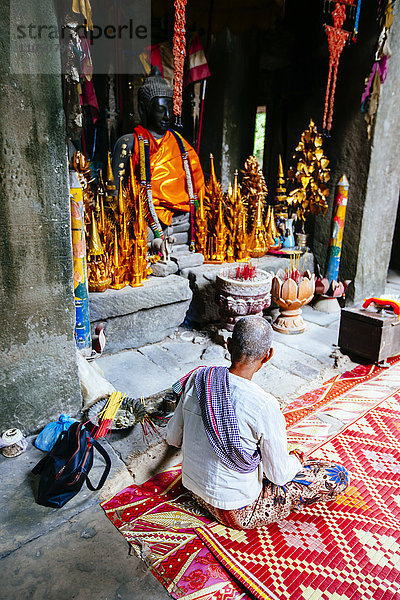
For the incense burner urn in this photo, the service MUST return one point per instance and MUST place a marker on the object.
(241, 297)
(290, 294)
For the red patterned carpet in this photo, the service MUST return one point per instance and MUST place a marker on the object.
(331, 389)
(159, 519)
(346, 550)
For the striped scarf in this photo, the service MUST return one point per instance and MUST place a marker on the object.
(219, 418)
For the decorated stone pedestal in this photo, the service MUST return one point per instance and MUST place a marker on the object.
(290, 295)
(203, 308)
(134, 317)
(239, 298)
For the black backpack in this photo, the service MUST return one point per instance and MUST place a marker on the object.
(65, 468)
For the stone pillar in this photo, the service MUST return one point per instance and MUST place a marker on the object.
(372, 167)
(231, 103)
(383, 184)
(38, 368)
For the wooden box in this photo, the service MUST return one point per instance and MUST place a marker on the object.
(372, 335)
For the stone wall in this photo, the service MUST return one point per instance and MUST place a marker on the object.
(286, 69)
(38, 370)
(383, 184)
(371, 166)
(230, 104)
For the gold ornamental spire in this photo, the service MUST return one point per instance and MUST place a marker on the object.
(235, 186)
(110, 177)
(116, 257)
(213, 176)
(201, 205)
(220, 234)
(121, 203)
(280, 200)
(95, 246)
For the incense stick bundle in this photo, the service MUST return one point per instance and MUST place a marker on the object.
(108, 413)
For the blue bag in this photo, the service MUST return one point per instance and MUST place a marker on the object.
(49, 435)
(64, 470)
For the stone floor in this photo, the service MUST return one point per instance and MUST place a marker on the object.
(75, 552)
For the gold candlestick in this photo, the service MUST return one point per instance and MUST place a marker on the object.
(118, 274)
(140, 269)
(99, 275)
(280, 200)
(255, 191)
(220, 235)
(110, 184)
(201, 226)
(258, 242)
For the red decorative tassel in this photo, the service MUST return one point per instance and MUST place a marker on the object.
(179, 52)
(337, 39)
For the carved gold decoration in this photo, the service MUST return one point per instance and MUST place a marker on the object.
(222, 219)
(118, 275)
(280, 200)
(116, 229)
(201, 226)
(215, 250)
(273, 237)
(140, 269)
(99, 274)
(310, 176)
(220, 234)
(254, 191)
(236, 217)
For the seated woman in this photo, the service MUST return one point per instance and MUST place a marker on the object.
(233, 437)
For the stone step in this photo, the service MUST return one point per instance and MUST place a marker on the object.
(179, 249)
(181, 228)
(181, 238)
(185, 260)
(180, 219)
(138, 316)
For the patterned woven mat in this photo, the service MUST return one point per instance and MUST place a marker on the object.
(159, 520)
(332, 389)
(345, 550)
(348, 549)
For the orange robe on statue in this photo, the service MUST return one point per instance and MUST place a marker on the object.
(168, 179)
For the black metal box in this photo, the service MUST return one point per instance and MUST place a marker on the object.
(370, 334)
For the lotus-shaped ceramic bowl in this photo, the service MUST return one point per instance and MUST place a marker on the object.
(290, 294)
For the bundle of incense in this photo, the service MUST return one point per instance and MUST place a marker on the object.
(108, 413)
(245, 272)
(294, 272)
(148, 425)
